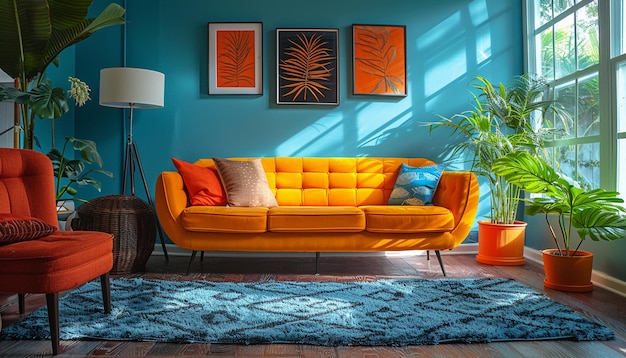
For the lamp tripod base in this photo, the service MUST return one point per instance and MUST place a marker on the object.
(130, 160)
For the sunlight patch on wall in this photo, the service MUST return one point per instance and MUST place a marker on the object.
(479, 15)
(436, 36)
(445, 68)
(448, 41)
(483, 44)
(478, 11)
(325, 137)
(377, 122)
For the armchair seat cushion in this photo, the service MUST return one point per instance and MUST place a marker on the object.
(316, 219)
(57, 262)
(408, 219)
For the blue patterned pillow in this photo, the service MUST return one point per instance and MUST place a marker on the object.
(415, 185)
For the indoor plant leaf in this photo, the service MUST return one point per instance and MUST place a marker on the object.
(48, 102)
(600, 224)
(594, 213)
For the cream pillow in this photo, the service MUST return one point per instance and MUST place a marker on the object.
(245, 183)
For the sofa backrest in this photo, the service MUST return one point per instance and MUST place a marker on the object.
(331, 181)
(27, 184)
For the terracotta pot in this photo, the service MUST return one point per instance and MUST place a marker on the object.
(501, 244)
(568, 273)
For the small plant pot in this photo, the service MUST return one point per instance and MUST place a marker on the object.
(568, 273)
(501, 244)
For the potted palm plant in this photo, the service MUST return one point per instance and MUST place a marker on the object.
(504, 119)
(593, 213)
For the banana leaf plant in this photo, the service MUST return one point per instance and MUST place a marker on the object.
(32, 35)
(597, 214)
(504, 119)
(70, 173)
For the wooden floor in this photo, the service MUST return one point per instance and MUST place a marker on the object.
(600, 305)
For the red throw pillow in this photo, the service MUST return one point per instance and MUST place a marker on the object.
(15, 228)
(203, 184)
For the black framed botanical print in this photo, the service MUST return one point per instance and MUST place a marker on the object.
(307, 68)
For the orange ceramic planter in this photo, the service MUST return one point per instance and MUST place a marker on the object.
(568, 273)
(501, 244)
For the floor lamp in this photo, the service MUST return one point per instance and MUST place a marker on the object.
(125, 87)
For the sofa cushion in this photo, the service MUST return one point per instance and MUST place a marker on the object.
(415, 185)
(407, 219)
(15, 228)
(245, 183)
(315, 219)
(203, 184)
(225, 219)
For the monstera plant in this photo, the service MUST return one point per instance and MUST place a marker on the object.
(597, 214)
(70, 173)
(32, 34)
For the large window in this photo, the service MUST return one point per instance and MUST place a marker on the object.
(578, 47)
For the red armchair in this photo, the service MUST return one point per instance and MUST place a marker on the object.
(55, 262)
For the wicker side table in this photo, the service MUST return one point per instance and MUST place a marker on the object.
(132, 222)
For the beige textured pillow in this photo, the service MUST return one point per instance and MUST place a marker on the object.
(245, 183)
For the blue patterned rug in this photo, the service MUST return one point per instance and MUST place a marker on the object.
(388, 312)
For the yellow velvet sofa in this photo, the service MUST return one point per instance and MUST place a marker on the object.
(324, 205)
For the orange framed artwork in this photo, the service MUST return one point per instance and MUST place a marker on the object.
(379, 60)
(235, 58)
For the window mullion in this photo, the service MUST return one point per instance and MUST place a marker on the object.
(608, 119)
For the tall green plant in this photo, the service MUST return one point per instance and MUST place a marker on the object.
(504, 119)
(32, 34)
(595, 213)
(70, 173)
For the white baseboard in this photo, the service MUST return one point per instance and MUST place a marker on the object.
(598, 278)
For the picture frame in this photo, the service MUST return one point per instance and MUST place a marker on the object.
(379, 60)
(235, 58)
(316, 83)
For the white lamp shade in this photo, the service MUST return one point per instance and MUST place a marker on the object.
(125, 87)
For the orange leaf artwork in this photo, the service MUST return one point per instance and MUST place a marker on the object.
(379, 60)
(235, 58)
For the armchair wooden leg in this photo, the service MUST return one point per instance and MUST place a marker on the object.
(106, 292)
(52, 301)
(21, 302)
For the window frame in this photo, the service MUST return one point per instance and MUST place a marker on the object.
(611, 55)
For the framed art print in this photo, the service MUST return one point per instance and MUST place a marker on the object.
(235, 58)
(307, 68)
(379, 60)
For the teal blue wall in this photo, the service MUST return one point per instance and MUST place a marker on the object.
(448, 43)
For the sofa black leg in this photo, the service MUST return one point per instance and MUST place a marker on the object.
(317, 263)
(440, 262)
(193, 256)
(427, 255)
